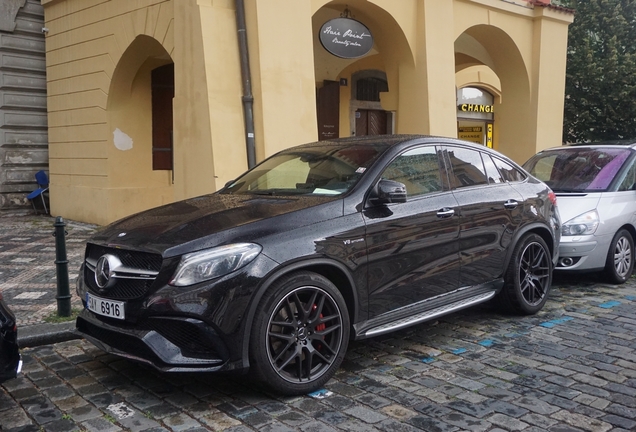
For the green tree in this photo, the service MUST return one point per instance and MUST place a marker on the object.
(600, 87)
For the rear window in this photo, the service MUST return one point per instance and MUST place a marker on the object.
(578, 169)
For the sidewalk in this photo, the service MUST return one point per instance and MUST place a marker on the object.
(28, 279)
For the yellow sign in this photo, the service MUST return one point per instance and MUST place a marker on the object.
(473, 134)
(489, 135)
(476, 108)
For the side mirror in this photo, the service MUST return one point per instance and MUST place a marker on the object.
(388, 191)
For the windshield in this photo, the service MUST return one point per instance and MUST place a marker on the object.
(577, 169)
(308, 170)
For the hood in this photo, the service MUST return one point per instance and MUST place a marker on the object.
(215, 219)
(575, 204)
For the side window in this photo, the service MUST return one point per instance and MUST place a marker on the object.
(509, 172)
(468, 168)
(629, 182)
(418, 169)
(494, 176)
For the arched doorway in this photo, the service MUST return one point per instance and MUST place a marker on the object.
(361, 92)
(140, 120)
(475, 115)
(494, 56)
(367, 115)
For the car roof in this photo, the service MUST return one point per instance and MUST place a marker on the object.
(393, 140)
(624, 142)
(396, 140)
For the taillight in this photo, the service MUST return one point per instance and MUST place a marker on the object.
(552, 198)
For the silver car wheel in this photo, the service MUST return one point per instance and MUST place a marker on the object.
(619, 263)
(622, 257)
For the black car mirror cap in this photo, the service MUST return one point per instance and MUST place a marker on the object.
(388, 192)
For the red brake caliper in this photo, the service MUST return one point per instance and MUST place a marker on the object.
(319, 327)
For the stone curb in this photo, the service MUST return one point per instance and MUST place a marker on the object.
(46, 334)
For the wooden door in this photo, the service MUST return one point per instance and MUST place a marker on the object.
(328, 100)
(371, 122)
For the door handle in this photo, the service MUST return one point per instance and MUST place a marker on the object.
(511, 204)
(445, 212)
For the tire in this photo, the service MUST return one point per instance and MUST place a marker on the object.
(528, 277)
(620, 257)
(299, 334)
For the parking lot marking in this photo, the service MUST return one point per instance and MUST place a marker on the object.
(609, 304)
(550, 324)
(320, 394)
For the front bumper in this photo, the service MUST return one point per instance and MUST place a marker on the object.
(583, 252)
(177, 329)
(170, 344)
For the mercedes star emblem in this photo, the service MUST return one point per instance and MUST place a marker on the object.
(105, 271)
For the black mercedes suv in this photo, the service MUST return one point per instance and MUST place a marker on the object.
(316, 245)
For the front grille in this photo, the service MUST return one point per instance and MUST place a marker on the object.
(124, 288)
(132, 259)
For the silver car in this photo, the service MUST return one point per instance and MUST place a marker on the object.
(595, 186)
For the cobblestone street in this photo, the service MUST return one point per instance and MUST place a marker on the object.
(572, 367)
(27, 264)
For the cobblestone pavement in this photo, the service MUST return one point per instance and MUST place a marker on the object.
(572, 367)
(27, 264)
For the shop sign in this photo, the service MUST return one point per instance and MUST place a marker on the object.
(346, 38)
(476, 108)
(473, 134)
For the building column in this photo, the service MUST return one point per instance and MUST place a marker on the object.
(282, 64)
(427, 88)
(548, 76)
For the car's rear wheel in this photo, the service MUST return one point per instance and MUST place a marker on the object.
(528, 277)
(300, 334)
(620, 257)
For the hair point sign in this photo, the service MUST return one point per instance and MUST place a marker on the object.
(346, 38)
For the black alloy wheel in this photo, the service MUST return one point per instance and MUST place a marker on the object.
(300, 335)
(620, 257)
(528, 277)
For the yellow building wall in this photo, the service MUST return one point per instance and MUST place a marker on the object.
(91, 179)
(280, 39)
(100, 54)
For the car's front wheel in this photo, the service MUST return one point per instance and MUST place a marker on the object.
(300, 334)
(528, 277)
(620, 257)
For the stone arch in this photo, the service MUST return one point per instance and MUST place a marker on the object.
(494, 49)
(129, 109)
(391, 51)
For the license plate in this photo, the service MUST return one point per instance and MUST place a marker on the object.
(105, 307)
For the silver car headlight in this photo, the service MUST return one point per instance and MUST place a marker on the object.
(584, 224)
(212, 263)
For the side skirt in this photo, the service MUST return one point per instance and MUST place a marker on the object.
(426, 310)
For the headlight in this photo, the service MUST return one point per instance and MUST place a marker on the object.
(581, 225)
(212, 263)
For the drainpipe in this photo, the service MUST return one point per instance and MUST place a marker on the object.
(248, 98)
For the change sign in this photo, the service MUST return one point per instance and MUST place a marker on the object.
(346, 38)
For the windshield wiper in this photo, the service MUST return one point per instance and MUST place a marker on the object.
(269, 192)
